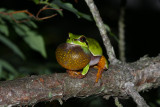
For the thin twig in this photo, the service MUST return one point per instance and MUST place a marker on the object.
(122, 31)
(117, 103)
(30, 14)
(45, 8)
(130, 89)
(103, 32)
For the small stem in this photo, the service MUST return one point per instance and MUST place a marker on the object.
(122, 32)
(117, 103)
(103, 32)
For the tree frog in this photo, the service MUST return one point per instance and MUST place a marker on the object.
(79, 53)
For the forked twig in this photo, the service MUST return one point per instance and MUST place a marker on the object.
(36, 17)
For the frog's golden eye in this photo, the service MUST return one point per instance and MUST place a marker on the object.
(82, 39)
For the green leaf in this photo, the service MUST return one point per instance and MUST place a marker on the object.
(21, 29)
(2, 9)
(36, 42)
(2, 21)
(107, 28)
(36, 1)
(21, 16)
(12, 46)
(57, 7)
(31, 24)
(0, 69)
(69, 7)
(85, 16)
(158, 101)
(7, 66)
(2, 73)
(4, 29)
(110, 33)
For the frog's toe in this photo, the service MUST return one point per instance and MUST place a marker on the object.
(75, 74)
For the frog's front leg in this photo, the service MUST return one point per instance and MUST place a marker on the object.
(77, 74)
(102, 64)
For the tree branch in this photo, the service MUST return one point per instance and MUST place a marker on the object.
(103, 32)
(143, 74)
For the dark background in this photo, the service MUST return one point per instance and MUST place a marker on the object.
(142, 31)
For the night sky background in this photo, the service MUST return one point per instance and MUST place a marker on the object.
(142, 32)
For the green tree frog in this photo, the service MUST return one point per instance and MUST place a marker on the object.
(79, 53)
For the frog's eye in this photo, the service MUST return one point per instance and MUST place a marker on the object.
(82, 39)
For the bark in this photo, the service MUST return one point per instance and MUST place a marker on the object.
(120, 80)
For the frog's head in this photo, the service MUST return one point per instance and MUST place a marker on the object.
(77, 40)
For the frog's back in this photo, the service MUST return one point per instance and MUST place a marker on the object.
(94, 47)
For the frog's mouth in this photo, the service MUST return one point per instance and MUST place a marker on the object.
(69, 45)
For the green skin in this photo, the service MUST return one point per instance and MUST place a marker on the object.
(88, 45)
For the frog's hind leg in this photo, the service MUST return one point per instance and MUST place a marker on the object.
(101, 66)
(77, 74)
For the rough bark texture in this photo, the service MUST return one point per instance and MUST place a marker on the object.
(141, 75)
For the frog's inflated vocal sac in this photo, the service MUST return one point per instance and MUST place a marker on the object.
(79, 53)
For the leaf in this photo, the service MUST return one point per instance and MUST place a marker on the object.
(0, 69)
(2, 21)
(12, 46)
(4, 16)
(36, 1)
(85, 16)
(2, 9)
(21, 29)
(7, 66)
(69, 7)
(31, 24)
(57, 7)
(36, 42)
(20, 16)
(2, 73)
(114, 36)
(107, 27)
(4, 29)
(110, 33)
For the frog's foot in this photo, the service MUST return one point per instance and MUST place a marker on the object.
(96, 67)
(75, 74)
(101, 66)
